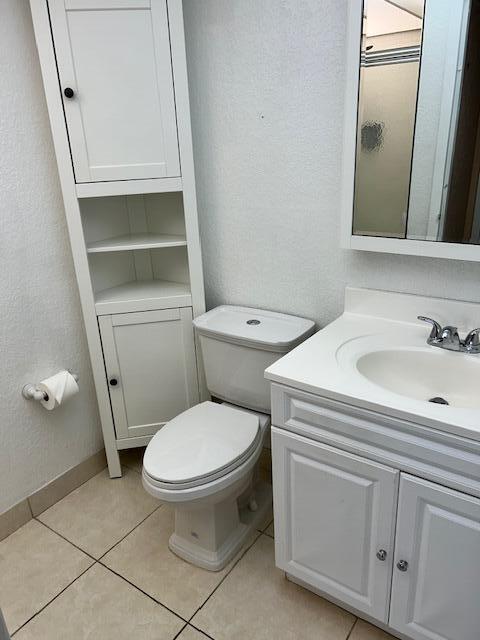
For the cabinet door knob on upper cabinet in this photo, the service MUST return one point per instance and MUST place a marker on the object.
(382, 554)
(402, 565)
(68, 92)
(113, 382)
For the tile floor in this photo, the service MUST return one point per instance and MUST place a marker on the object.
(96, 566)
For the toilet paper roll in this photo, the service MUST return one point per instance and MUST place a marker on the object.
(58, 389)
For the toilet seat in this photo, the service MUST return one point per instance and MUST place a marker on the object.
(200, 445)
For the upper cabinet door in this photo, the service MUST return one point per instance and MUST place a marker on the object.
(436, 578)
(115, 57)
(334, 521)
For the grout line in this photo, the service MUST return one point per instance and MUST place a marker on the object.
(190, 624)
(180, 632)
(353, 627)
(145, 593)
(242, 554)
(264, 530)
(67, 494)
(110, 548)
(98, 560)
(131, 531)
(66, 540)
(94, 560)
(53, 599)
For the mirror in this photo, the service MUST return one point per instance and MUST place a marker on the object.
(418, 126)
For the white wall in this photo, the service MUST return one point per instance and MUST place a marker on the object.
(41, 329)
(266, 82)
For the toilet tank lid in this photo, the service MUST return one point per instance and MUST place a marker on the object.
(266, 330)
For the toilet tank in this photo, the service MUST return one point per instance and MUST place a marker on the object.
(239, 343)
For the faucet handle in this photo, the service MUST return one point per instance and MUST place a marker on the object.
(472, 341)
(435, 333)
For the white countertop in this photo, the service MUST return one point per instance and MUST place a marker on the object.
(317, 365)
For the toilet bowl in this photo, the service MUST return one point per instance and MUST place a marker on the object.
(205, 460)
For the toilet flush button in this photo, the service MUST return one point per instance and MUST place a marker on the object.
(253, 321)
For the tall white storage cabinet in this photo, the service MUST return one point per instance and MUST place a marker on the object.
(115, 80)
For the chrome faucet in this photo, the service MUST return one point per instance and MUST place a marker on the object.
(448, 338)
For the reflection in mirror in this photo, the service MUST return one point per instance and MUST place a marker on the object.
(390, 62)
(418, 138)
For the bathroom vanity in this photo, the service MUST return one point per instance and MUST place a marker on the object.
(376, 489)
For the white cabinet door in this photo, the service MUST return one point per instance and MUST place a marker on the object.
(151, 368)
(334, 512)
(437, 595)
(115, 56)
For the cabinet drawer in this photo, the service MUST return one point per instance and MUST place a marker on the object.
(441, 457)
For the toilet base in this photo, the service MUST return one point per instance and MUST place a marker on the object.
(198, 531)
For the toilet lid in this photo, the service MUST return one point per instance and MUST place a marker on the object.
(201, 442)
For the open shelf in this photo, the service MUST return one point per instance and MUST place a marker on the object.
(134, 241)
(142, 295)
(137, 252)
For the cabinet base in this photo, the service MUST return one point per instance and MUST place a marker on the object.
(342, 605)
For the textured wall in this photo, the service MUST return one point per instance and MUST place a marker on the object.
(41, 329)
(266, 81)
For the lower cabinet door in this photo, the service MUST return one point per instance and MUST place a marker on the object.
(151, 368)
(436, 577)
(334, 521)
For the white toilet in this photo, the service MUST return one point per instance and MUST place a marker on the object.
(204, 460)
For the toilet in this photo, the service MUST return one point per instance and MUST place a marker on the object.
(204, 461)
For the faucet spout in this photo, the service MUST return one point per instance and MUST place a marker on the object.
(448, 338)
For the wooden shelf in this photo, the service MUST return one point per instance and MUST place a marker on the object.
(126, 187)
(142, 295)
(136, 241)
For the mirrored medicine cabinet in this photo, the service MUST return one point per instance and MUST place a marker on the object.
(412, 131)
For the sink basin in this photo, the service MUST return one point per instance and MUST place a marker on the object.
(375, 358)
(425, 374)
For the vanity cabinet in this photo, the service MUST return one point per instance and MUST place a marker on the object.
(151, 368)
(354, 523)
(115, 77)
(438, 536)
(334, 521)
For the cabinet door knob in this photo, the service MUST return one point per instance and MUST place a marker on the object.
(68, 92)
(402, 565)
(113, 382)
(382, 554)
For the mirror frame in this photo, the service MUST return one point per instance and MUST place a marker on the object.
(425, 248)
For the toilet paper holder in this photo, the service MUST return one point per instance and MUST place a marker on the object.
(31, 392)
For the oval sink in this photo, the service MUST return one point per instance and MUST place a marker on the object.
(425, 375)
